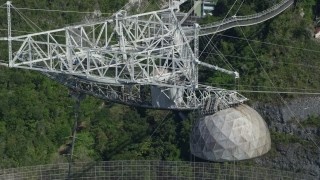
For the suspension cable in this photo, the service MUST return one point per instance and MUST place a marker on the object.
(281, 98)
(265, 60)
(269, 43)
(57, 10)
(27, 20)
(219, 25)
(221, 55)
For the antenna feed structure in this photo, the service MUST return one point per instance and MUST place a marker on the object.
(147, 60)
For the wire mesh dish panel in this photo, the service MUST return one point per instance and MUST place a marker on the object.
(146, 170)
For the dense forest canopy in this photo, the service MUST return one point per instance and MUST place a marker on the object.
(36, 114)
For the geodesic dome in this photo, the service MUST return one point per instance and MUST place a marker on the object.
(237, 133)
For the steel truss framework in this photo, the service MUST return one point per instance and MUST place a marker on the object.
(148, 60)
(137, 49)
(206, 99)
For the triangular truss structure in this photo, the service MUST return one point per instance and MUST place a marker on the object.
(148, 60)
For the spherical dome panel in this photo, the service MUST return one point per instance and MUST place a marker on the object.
(232, 134)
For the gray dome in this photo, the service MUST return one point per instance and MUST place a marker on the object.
(231, 134)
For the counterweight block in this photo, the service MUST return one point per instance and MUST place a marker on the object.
(232, 134)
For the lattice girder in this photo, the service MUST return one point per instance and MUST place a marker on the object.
(144, 48)
(206, 99)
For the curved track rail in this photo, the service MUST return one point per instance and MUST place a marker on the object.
(237, 21)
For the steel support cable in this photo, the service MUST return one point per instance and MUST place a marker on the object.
(267, 87)
(298, 90)
(161, 122)
(204, 40)
(56, 10)
(221, 55)
(281, 98)
(157, 4)
(24, 17)
(16, 31)
(27, 19)
(269, 43)
(28, 23)
(193, 123)
(236, 80)
(213, 46)
(141, 2)
(29, 32)
(220, 25)
(146, 6)
(281, 92)
(264, 60)
(239, 8)
(123, 7)
(21, 17)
